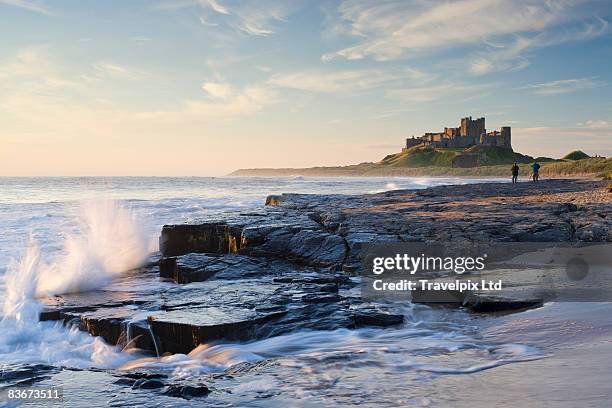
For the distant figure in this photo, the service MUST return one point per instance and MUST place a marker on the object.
(536, 171)
(515, 172)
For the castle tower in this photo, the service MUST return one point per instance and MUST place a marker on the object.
(506, 137)
(470, 130)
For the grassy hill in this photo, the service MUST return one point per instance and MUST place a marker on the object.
(576, 155)
(474, 156)
(476, 161)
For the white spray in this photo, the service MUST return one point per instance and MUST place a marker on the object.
(109, 242)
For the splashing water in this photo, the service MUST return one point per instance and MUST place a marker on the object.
(109, 241)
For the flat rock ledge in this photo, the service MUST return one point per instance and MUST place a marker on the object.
(293, 264)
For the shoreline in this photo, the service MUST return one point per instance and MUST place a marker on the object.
(252, 288)
(311, 245)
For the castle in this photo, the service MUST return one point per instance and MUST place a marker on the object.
(471, 132)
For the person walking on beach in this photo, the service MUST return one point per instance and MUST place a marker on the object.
(515, 173)
(536, 170)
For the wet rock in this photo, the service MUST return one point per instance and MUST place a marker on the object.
(25, 375)
(441, 297)
(377, 318)
(320, 297)
(148, 384)
(186, 391)
(274, 200)
(180, 331)
(593, 232)
(215, 238)
(481, 303)
(318, 248)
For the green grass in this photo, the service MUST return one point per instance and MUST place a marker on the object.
(419, 161)
(576, 155)
(592, 165)
(493, 155)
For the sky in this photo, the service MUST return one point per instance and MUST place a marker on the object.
(203, 87)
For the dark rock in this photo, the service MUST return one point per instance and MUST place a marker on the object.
(181, 331)
(481, 303)
(376, 318)
(186, 391)
(318, 248)
(438, 296)
(320, 298)
(147, 384)
(215, 238)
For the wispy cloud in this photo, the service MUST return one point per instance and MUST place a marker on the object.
(30, 5)
(215, 6)
(439, 90)
(513, 53)
(225, 102)
(348, 80)
(387, 29)
(218, 89)
(252, 18)
(562, 86)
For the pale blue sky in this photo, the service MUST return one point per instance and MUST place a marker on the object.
(201, 87)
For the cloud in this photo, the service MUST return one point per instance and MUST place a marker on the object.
(251, 18)
(562, 86)
(214, 5)
(226, 103)
(34, 6)
(510, 55)
(105, 70)
(141, 38)
(597, 124)
(348, 80)
(32, 70)
(437, 91)
(217, 89)
(388, 30)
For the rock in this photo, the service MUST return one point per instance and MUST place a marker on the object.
(438, 297)
(481, 303)
(277, 270)
(147, 384)
(187, 268)
(181, 331)
(186, 391)
(377, 318)
(561, 232)
(274, 200)
(594, 231)
(318, 248)
(320, 297)
(214, 238)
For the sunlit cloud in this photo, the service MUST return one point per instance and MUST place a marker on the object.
(390, 30)
(251, 18)
(30, 5)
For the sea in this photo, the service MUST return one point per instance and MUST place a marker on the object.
(80, 233)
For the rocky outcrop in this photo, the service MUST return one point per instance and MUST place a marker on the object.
(293, 264)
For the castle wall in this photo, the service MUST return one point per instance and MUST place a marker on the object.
(469, 133)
